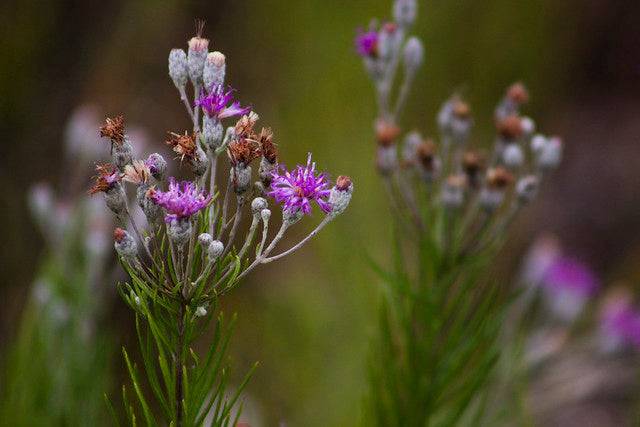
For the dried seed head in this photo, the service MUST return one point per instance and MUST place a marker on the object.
(518, 93)
(510, 128)
(183, 145)
(267, 147)
(499, 178)
(113, 129)
(425, 153)
(472, 163)
(386, 133)
(107, 178)
(243, 151)
(244, 126)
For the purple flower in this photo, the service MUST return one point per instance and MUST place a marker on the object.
(622, 322)
(220, 104)
(296, 189)
(181, 201)
(572, 276)
(367, 43)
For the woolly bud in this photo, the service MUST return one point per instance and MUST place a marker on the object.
(205, 240)
(528, 126)
(157, 166)
(550, 154)
(258, 204)
(387, 159)
(241, 178)
(178, 68)
(413, 55)
(265, 214)
(410, 146)
(526, 188)
(265, 171)
(215, 249)
(212, 132)
(214, 70)
(151, 210)
(340, 195)
(124, 243)
(114, 198)
(180, 230)
(537, 143)
(41, 201)
(491, 198)
(199, 161)
(198, 48)
(460, 121)
(513, 156)
(200, 311)
(404, 12)
(122, 154)
(452, 195)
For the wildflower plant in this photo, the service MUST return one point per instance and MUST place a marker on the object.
(441, 316)
(192, 250)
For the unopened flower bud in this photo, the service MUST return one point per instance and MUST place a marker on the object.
(340, 195)
(205, 240)
(200, 311)
(513, 156)
(491, 198)
(212, 132)
(215, 249)
(452, 195)
(528, 126)
(199, 161)
(460, 121)
(550, 155)
(387, 159)
(157, 166)
(124, 243)
(178, 68)
(413, 55)
(258, 204)
(241, 178)
(410, 147)
(510, 128)
(265, 214)
(537, 143)
(198, 49)
(404, 12)
(214, 70)
(114, 198)
(526, 188)
(41, 201)
(180, 230)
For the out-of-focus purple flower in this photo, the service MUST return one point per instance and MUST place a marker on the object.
(571, 275)
(220, 104)
(621, 322)
(296, 190)
(181, 200)
(367, 43)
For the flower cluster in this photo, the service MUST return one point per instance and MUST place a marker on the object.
(181, 266)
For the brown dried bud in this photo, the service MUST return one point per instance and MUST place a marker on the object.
(518, 93)
(510, 128)
(119, 234)
(183, 145)
(267, 147)
(499, 178)
(472, 162)
(386, 133)
(243, 150)
(425, 153)
(113, 129)
(458, 181)
(106, 179)
(244, 126)
(343, 183)
(461, 109)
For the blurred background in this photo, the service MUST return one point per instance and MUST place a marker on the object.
(308, 319)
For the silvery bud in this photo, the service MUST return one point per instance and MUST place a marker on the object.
(513, 156)
(452, 195)
(41, 201)
(152, 211)
(124, 243)
(410, 147)
(265, 214)
(114, 198)
(491, 198)
(214, 70)
(445, 116)
(340, 195)
(199, 162)
(413, 55)
(550, 155)
(404, 12)
(265, 171)
(241, 178)
(205, 240)
(258, 204)
(157, 166)
(200, 311)
(537, 143)
(198, 49)
(215, 249)
(180, 230)
(528, 126)
(526, 188)
(387, 160)
(212, 132)
(178, 68)
(122, 154)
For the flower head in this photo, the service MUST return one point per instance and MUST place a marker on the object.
(367, 43)
(621, 321)
(137, 173)
(220, 104)
(183, 145)
(106, 179)
(113, 129)
(296, 190)
(181, 200)
(568, 274)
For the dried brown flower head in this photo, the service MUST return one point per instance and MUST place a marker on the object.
(461, 109)
(243, 150)
(425, 153)
(183, 145)
(518, 93)
(105, 179)
(244, 126)
(510, 128)
(386, 133)
(472, 162)
(137, 172)
(113, 129)
(119, 234)
(343, 183)
(458, 180)
(499, 178)
(267, 147)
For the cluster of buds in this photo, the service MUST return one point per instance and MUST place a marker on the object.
(479, 192)
(188, 245)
